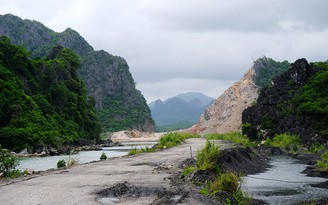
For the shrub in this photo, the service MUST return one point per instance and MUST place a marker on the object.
(289, 142)
(322, 164)
(133, 151)
(186, 171)
(103, 156)
(8, 164)
(61, 163)
(315, 147)
(207, 157)
(228, 182)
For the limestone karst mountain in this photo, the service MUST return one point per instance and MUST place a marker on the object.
(225, 114)
(108, 79)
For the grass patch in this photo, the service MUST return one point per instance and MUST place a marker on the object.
(207, 157)
(135, 151)
(235, 137)
(173, 139)
(227, 182)
(322, 165)
(186, 171)
(290, 142)
(315, 147)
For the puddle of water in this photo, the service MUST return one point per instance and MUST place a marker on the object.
(108, 200)
(284, 183)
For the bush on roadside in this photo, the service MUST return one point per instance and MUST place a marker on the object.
(208, 156)
(8, 164)
(61, 163)
(103, 156)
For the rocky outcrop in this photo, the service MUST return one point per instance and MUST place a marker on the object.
(284, 107)
(224, 115)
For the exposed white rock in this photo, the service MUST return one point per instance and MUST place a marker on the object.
(224, 115)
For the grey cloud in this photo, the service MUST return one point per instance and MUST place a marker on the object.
(203, 42)
(240, 15)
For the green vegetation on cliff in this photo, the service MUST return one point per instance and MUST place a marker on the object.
(266, 69)
(119, 105)
(43, 102)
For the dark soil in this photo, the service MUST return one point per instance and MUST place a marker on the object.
(127, 190)
(323, 185)
(242, 161)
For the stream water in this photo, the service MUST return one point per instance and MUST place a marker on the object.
(284, 183)
(50, 162)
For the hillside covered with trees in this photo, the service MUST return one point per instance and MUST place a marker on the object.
(43, 101)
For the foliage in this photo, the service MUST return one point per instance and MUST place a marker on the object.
(103, 156)
(289, 142)
(267, 69)
(312, 99)
(227, 182)
(235, 137)
(322, 164)
(135, 151)
(43, 102)
(316, 147)
(61, 163)
(122, 106)
(207, 157)
(173, 139)
(187, 170)
(8, 164)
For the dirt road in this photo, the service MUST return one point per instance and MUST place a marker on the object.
(149, 173)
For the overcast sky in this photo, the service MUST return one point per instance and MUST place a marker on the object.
(188, 45)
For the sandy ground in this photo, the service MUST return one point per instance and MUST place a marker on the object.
(77, 185)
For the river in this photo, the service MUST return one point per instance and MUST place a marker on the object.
(50, 162)
(284, 183)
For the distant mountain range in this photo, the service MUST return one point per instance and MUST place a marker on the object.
(180, 111)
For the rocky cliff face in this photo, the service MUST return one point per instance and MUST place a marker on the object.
(295, 103)
(108, 79)
(224, 115)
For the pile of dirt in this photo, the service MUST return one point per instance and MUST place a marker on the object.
(242, 161)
